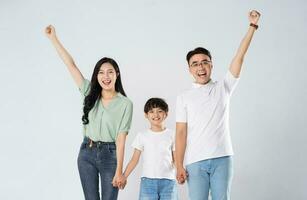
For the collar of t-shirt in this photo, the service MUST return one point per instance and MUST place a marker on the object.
(205, 87)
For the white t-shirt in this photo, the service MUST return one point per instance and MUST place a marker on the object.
(157, 150)
(205, 109)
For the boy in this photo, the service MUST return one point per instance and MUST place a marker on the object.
(157, 146)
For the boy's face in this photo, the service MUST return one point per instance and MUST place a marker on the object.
(156, 116)
(200, 67)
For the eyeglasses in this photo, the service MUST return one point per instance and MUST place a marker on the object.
(202, 63)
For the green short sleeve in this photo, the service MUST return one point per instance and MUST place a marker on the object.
(126, 119)
(85, 87)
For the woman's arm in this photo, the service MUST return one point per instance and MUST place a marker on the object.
(237, 61)
(132, 163)
(119, 179)
(64, 55)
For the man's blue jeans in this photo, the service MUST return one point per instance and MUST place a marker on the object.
(157, 189)
(99, 160)
(212, 174)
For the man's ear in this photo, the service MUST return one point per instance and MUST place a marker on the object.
(146, 115)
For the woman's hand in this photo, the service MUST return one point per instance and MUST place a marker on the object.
(120, 181)
(254, 16)
(50, 32)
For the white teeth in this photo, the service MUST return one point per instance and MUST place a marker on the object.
(106, 82)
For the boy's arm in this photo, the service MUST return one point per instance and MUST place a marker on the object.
(133, 162)
(237, 61)
(174, 159)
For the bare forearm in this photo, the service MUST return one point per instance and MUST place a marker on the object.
(245, 43)
(64, 55)
(180, 149)
(130, 167)
(120, 151)
(62, 52)
(236, 64)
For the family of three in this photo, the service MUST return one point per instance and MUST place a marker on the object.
(199, 151)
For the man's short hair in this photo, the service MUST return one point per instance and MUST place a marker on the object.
(198, 50)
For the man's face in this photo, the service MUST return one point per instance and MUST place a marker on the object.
(200, 67)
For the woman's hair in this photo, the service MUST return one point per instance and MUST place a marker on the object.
(95, 90)
(155, 103)
(198, 50)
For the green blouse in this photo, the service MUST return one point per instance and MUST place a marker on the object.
(105, 123)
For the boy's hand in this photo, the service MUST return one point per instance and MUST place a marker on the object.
(120, 181)
(254, 16)
(181, 175)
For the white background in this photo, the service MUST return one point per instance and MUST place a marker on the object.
(41, 107)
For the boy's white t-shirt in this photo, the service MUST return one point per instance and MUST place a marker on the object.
(156, 150)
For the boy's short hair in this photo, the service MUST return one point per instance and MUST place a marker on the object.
(198, 50)
(155, 103)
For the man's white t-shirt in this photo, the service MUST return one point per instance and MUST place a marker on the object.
(205, 109)
(156, 150)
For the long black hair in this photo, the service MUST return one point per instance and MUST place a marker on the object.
(95, 90)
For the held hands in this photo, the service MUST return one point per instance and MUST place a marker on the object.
(50, 32)
(182, 175)
(254, 16)
(120, 181)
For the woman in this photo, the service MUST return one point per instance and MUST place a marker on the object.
(107, 115)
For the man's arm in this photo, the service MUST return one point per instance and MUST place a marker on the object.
(180, 145)
(237, 61)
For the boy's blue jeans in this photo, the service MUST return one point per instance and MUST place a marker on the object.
(157, 189)
(95, 161)
(214, 174)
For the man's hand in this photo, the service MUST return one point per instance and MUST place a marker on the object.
(254, 16)
(181, 175)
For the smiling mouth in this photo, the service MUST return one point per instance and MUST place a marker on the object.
(156, 119)
(202, 74)
(106, 82)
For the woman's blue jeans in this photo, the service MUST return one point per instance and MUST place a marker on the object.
(94, 162)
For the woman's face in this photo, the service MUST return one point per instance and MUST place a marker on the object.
(107, 76)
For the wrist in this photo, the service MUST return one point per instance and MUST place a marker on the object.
(254, 25)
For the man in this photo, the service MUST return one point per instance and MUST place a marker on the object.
(202, 125)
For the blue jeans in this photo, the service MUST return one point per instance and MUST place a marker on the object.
(214, 174)
(94, 161)
(157, 189)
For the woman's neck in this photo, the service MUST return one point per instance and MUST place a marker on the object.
(108, 94)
